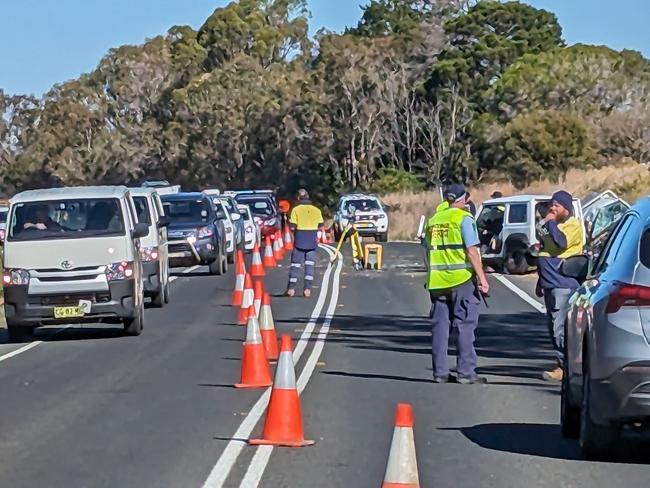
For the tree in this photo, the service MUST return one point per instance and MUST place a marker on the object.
(542, 145)
(488, 39)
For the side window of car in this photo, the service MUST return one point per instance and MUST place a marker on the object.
(614, 245)
(518, 213)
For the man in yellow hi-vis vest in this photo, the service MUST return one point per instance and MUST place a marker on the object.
(455, 281)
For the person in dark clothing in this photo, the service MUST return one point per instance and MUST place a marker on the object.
(561, 236)
(305, 221)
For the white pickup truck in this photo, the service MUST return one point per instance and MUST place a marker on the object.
(506, 227)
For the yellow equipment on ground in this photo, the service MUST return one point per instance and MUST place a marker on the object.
(355, 243)
(372, 256)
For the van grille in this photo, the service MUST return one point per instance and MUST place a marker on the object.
(69, 299)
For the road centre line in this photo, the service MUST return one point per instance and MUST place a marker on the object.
(262, 456)
(520, 293)
(221, 470)
(34, 344)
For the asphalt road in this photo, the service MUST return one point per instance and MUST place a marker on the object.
(86, 407)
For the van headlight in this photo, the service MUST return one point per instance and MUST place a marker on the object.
(15, 277)
(119, 271)
(204, 233)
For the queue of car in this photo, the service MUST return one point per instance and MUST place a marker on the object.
(97, 254)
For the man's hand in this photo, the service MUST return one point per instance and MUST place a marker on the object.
(551, 215)
(483, 285)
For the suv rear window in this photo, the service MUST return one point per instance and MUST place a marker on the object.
(518, 213)
(66, 219)
(260, 207)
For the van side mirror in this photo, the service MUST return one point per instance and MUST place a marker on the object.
(139, 231)
(164, 221)
(235, 216)
(221, 215)
(576, 267)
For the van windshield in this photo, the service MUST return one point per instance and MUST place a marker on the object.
(66, 219)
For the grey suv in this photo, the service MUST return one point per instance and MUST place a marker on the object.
(606, 385)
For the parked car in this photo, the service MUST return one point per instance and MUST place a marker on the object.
(71, 255)
(606, 385)
(264, 209)
(230, 205)
(507, 233)
(601, 213)
(228, 226)
(153, 246)
(196, 236)
(251, 230)
(367, 213)
(4, 210)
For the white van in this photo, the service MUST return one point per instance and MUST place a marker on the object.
(71, 255)
(154, 247)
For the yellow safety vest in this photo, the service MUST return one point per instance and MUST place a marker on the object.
(443, 206)
(574, 232)
(449, 264)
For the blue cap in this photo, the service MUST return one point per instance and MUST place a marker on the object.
(455, 192)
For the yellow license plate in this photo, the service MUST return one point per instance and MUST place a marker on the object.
(364, 224)
(68, 312)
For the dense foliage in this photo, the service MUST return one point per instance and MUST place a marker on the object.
(434, 90)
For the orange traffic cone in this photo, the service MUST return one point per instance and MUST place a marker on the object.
(288, 240)
(255, 372)
(247, 300)
(269, 258)
(267, 328)
(240, 276)
(402, 466)
(258, 296)
(277, 250)
(283, 424)
(257, 269)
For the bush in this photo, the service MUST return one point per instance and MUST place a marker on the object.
(388, 180)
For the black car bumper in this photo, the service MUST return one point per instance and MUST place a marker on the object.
(185, 253)
(622, 398)
(31, 310)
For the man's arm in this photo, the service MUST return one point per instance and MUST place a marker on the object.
(472, 243)
(475, 259)
(559, 238)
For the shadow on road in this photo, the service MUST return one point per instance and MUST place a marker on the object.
(542, 440)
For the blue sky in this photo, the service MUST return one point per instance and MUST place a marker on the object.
(47, 41)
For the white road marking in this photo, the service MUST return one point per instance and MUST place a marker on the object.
(34, 344)
(520, 293)
(263, 454)
(221, 470)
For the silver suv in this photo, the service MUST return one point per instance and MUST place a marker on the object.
(606, 386)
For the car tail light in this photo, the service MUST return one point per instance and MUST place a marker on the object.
(119, 271)
(271, 222)
(628, 296)
(148, 254)
(204, 232)
(15, 277)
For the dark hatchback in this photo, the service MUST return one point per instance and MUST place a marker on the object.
(195, 233)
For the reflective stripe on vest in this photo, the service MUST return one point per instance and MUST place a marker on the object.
(449, 265)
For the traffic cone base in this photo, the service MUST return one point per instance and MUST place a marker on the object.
(257, 373)
(284, 408)
(283, 423)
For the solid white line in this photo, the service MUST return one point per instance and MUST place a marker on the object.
(262, 456)
(21, 350)
(221, 470)
(32, 345)
(520, 293)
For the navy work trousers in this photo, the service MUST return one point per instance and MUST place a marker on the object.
(458, 308)
(298, 258)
